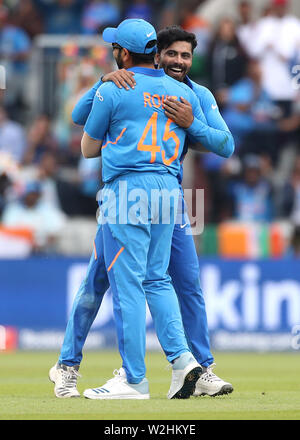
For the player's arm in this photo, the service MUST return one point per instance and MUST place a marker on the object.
(182, 115)
(121, 78)
(98, 121)
(204, 124)
(83, 107)
(213, 135)
(90, 147)
(211, 111)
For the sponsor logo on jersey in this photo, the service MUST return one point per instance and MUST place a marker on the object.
(99, 96)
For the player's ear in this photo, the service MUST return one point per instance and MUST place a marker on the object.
(157, 59)
(126, 54)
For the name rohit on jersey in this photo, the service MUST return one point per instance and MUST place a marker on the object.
(155, 101)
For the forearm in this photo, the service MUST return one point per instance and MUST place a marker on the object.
(90, 147)
(218, 141)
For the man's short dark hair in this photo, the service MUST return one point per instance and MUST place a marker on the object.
(144, 58)
(171, 34)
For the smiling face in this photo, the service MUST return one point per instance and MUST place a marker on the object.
(176, 60)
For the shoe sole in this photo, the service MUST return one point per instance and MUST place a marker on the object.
(120, 397)
(189, 384)
(226, 389)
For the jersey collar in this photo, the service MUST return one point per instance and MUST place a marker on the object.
(147, 71)
(188, 82)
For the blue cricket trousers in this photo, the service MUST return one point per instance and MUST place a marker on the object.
(137, 237)
(184, 271)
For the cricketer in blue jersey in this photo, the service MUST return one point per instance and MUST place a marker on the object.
(136, 139)
(175, 48)
(140, 147)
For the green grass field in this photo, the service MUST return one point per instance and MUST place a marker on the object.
(266, 387)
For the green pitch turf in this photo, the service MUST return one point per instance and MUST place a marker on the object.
(266, 386)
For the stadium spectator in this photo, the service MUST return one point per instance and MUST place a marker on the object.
(27, 17)
(215, 176)
(295, 242)
(48, 178)
(251, 196)
(288, 196)
(46, 173)
(40, 140)
(267, 10)
(196, 24)
(291, 124)
(165, 13)
(290, 133)
(15, 49)
(276, 45)
(89, 171)
(139, 9)
(227, 59)
(99, 14)
(251, 114)
(70, 182)
(12, 137)
(246, 102)
(4, 185)
(30, 212)
(202, 180)
(61, 16)
(75, 80)
(246, 25)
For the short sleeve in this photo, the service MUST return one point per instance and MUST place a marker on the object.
(100, 115)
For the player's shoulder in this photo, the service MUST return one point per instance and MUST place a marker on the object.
(107, 90)
(204, 95)
(108, 86)
(176, 84)
(201, 91)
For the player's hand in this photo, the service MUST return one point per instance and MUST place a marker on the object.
(122, 78)
(181, 112)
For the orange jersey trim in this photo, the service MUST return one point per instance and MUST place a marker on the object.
(116, 141)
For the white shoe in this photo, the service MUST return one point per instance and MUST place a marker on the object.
(212, 385)
(186, 372)
(65, 380)
(119, 388)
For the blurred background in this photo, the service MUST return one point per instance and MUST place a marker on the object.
(248, 55)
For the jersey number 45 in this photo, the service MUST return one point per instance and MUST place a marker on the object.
(154, 148)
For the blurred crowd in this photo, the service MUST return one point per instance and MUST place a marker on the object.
(251, 64)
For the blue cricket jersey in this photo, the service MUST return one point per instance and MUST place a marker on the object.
(136, 135)
(211, 130)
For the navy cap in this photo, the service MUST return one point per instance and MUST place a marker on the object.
(133, 34)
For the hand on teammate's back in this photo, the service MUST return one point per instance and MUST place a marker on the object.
(180, 112)
(122, 78)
